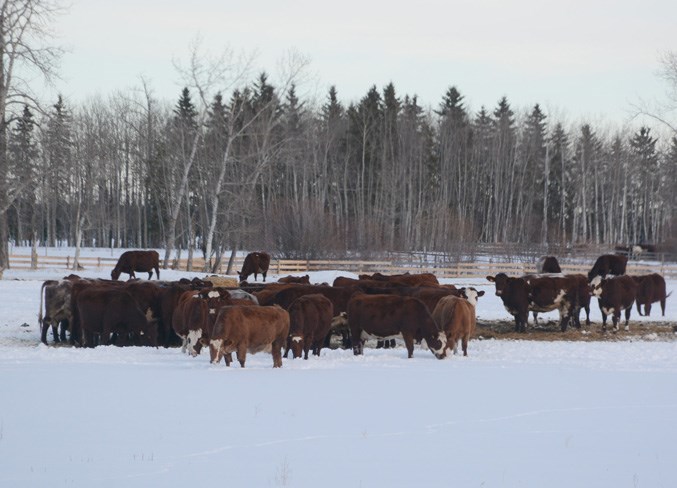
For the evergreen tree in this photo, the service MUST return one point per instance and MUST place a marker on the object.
(23, 172)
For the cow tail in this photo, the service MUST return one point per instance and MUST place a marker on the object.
(42, 290)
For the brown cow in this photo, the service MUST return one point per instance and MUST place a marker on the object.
(194, 317)
(310, 319)
(539, 294)
(255, 262)
(131, 261)
(104, 310)
(608, 264)
(301, 280)
(614, 295)
(389, 316)
(243, 329)
(457, 316)
(650, 289)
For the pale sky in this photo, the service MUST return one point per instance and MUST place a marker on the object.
(579, 59)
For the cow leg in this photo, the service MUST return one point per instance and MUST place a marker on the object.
(647, 309)
(306, 348)
(615, 318)
(464, 343)
(409, 343)
(43, 332)
(587, 315)
(535, 314)
(150, 274)
(228, 358)
(663, 307)
(627, 317)
(277, 356)
(357, 342)
(241, 355)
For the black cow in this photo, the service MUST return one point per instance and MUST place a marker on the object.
(608, 264)
(255, 263)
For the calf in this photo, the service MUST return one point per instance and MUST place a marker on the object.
(131, 261)
(614, 295)
(243, 329)
(310, 318)
(457, 317)
(255, 263)
(608, 264)
(650, 289)
(389, 316)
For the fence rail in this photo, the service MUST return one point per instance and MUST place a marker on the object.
(478, 269)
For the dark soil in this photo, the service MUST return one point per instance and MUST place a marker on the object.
(550, 331)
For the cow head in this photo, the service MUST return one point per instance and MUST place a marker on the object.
(501, 281)
(596, 286)
(296, 343)
(115, 274)
(193, 342)
(471, 294)
(438, 345)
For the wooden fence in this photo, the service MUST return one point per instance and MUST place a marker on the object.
(288, 266)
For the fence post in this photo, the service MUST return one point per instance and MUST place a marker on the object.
(68, 262)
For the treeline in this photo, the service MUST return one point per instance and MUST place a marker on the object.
(260, 168)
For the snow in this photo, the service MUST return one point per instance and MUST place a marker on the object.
(513, 413)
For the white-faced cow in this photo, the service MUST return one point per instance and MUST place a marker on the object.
(390, 316)
(255, 263)
(615, 294)
(539, 294)
(143, 261)
(456, 316)
(246, 329)
(310, 319)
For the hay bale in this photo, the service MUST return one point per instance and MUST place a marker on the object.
(223, 281)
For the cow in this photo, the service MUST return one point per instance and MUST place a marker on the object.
(457, 316)
(104, 310)
(650, 289)
(514, 292)
(579, 295)
(608, 264)
(614, 294)
(539, 294)
(389, 316)
(194, 317)
(301, 280)
(57, 301)
(131, 261)
(548, 264)
(255, 263)
(243, 330)
(310, 319)
(416, 279)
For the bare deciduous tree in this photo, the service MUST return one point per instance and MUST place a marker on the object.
(24, 28)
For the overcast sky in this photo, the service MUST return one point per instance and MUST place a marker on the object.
(579, 59)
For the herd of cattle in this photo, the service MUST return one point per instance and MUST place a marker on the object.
(293, 314)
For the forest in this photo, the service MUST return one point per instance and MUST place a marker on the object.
(257, 166)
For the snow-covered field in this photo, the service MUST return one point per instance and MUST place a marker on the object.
(513, 413)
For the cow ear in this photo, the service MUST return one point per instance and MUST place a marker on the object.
(491, 278)
(480, 293)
